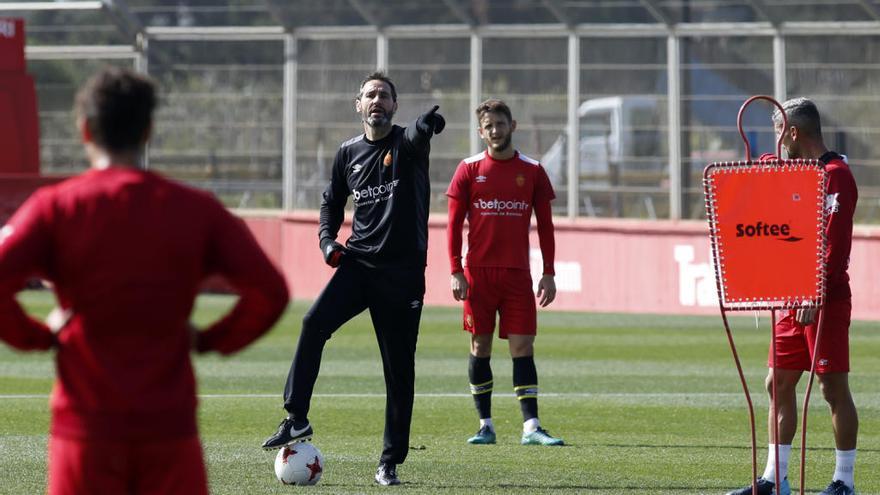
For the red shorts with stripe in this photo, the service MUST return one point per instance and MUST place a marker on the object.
(505, 291)
(163, 467)
(795, 343)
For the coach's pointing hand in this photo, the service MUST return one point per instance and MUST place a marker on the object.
(431, 122)
(460, 286)
(546, 290)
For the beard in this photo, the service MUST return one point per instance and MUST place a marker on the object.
(504, 144)
(381, 120)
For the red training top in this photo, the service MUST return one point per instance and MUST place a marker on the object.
(126, 251)
(498, 196)
(841, 196)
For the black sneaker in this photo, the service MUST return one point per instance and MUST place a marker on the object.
(765, 488)
(386, 474)
(838, 487)
(289, 432)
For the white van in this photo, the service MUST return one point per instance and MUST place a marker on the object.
(620, 141)
(623, 151)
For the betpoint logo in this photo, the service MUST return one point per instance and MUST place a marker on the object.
(7, 29)
(377, 193)
(500, 204)
(761, 229)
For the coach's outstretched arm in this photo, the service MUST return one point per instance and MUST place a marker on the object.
(22, 254)
(420, 131)
(262, 291)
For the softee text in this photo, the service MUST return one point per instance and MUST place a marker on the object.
(762, 229)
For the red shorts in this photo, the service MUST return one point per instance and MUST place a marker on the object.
(505, 291)
(163, 467)
(795, 343)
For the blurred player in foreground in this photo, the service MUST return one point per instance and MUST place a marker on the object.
(126, 251)
(381, 267)
(796, 332)
(496, 190)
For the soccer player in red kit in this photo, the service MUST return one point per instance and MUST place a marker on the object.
(126, 251)
(496, 191)
(796, 332)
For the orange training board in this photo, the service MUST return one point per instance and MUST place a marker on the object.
(767, 224)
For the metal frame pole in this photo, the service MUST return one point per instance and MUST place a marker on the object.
(673, 69)
(780, 84)
(574, 95)
(142, 56)
(289, 169)
(382, 51)
(142, 66)
(476, 90)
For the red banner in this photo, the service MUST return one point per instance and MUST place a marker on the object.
(767, 226)
(12, 45)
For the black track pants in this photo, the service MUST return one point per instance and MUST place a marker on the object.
(394, 298)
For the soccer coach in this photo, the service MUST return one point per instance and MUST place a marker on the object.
(126, 251)
(381, 267)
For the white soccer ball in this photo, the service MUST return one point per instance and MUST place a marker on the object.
(299, 464)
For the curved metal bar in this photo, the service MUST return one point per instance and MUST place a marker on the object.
(717, 263)
(745, 386)
(739, 126)
(807, 400)
(775, 402)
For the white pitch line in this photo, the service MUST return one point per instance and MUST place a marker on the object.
(437, 395)
(468, 395)
(869, 400)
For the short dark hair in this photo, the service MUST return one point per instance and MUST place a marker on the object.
(378, 76)
(117, 105)
(801, 113)
(493, 105)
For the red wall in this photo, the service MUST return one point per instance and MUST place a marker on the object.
(601, 265)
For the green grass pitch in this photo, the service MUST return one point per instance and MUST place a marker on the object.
(646, 405)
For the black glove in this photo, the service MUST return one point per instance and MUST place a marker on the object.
(431, 122)
(333, 252)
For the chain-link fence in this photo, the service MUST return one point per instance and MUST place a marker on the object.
(649, 108)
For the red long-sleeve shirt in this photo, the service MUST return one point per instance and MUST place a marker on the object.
(841, 197)
(126, 251)
(498, 197)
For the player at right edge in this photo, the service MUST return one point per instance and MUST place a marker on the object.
(796, 332)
